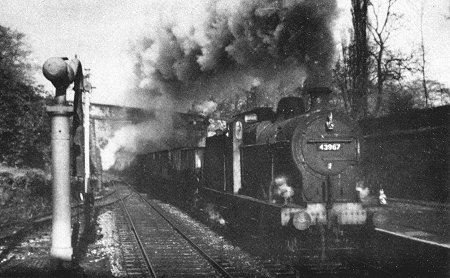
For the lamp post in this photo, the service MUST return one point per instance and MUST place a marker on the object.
(61, 74)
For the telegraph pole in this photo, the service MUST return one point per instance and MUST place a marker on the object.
(89, 137)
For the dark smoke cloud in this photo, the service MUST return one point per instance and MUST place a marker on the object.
(200, 50)
(222, 37)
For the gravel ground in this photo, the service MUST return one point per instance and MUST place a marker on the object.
(105, 253)
(233, 253)
(30, 257)
(103, 257)
(99, 252)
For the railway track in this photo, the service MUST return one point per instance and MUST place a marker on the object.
(156, 244)
(339, 264)
(348, 265)
(363, 268)
(159, 248)
(157, 241)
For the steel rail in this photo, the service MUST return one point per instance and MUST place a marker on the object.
(370, 266)
(10, 240)
(138, 239)
(195, 246)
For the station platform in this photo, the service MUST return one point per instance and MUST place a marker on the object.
(426, 222)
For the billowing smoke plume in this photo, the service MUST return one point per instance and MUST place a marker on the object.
(200, 48)
(127, 141)
(205, 107)
(154, 134)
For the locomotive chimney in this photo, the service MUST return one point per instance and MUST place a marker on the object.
(319, 96)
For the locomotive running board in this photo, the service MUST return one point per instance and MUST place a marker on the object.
(330, 140)
(248, 198)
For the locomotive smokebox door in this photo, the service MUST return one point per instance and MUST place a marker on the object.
(328, 146)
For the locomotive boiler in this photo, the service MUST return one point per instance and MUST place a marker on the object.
(291, 167)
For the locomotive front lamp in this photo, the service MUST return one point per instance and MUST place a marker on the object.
(302, 220)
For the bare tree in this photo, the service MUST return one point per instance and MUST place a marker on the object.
(383, 22)
(447, 16)
(359, 61)
(351, 70)
(423, 64)
(343, 78)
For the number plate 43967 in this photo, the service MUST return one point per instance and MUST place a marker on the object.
(329, 147)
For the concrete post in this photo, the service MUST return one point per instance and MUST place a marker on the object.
(61, 75)
(61, 227)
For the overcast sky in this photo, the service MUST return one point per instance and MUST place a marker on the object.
(100, 32)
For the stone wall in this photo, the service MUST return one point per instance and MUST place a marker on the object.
(408, 154)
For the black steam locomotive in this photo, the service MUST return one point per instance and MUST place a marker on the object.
(291, 167)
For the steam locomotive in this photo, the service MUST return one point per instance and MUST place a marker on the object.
(289, 168)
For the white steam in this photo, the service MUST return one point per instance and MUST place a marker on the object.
(214, 215)
(205, 108)
(130, 140)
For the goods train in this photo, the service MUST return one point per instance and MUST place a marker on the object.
(290, 168)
